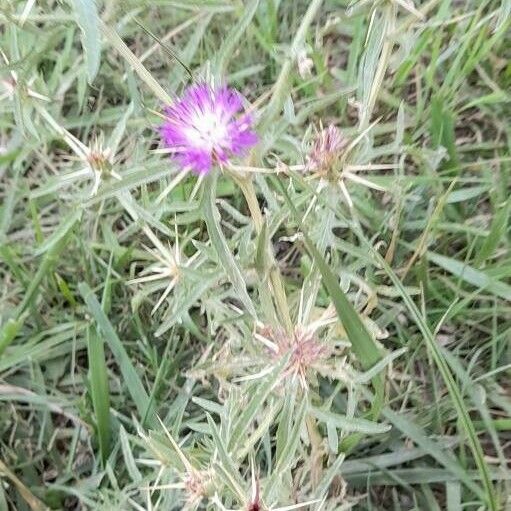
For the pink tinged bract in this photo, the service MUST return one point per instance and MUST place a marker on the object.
(206, 126)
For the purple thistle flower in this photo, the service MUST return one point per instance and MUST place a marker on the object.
(203, 127)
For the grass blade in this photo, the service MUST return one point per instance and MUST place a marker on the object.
(8, 332)
(230, 470)
(88, 20)
(115, 40)
(49, 260)
(65, 226)
(165, 47)
(447, 377)
(469, 274)
(434, 449)
(32, 501)
(232, 39)
(100, 392)
(131, 378)
(497, 233)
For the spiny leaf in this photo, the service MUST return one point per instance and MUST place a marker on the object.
(349, 424)
(211, 216)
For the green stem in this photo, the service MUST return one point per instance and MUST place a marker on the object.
(279, 293)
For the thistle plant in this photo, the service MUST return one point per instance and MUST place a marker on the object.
(291, 360)
(253, 255)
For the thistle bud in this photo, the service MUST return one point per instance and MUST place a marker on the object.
(326, 150)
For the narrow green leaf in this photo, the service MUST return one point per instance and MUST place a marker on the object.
(469, 274)
(454, 391)
(129, 459)
(50, 258)
(477, 394)
(231, 40)
(329, 475)
(31, 500)
(64, 227)
(349, 424)
(180, 307)
(453, 495)
(442, 129)
(208, 405)
(100, 392)
(379, 366)
(437, 451)
(211, 216)
(64, 289)
(287, 456)
(375, 59)
(417, 476)
(8, 332)
(130, 180)
(285, 460)
(118, 132)
(264, 425)
(281, 87)
(465, 194)
(131, 378)
(86, 14)
(165, 47)
(262, 259)
(230, 470)
(3, 500)
(135, 63)
(285, 422)
(398, 456)
(497, 233)
(258, 396)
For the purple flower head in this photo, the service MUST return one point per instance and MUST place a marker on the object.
(207, 126)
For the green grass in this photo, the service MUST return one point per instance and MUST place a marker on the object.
(391, 274)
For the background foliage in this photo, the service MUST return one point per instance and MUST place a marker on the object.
(267, 337)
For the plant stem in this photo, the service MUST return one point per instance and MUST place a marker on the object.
(279, 293)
